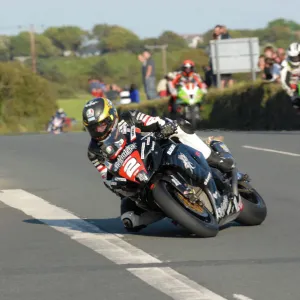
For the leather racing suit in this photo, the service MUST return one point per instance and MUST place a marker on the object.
(130, 211)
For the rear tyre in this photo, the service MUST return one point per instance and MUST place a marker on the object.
(254, 211)
(174, 209)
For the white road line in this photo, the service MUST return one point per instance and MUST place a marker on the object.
(106, 244)
(174, 284)
(271, 150)
(241, 297)
(109, 245)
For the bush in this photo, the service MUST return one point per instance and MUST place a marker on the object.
(253, 106)
(27, 100)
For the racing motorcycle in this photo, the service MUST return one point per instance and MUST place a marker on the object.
(56, 125)
(167, 176)
(188, 102)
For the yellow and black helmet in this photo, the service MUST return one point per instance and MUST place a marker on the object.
(99, 118)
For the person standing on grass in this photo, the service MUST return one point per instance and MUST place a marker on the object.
(149, 76)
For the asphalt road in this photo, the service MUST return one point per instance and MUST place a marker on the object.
(40, 261)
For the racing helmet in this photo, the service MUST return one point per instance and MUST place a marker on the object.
(188, 67)
(293, 54)
(100, 117)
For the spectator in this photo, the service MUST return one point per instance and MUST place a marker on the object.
(212, 78)
(217, 32)
(261, 62)
(269, 52)
(149, 76)
(134, 94)
(271, 70)
(170, 77)
(226, 79)
(96, 87)
(111, 92)
(162, 87)
(280, 55)
(142, 59)
(224, 33)
(208, 76)
(116, 88)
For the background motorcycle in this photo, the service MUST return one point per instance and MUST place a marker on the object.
(170, 177)
(56, 125)
(188, 103)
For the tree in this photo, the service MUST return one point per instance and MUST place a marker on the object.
(151, 41)
(66, 37)
(101, 31)
(119, 38)
(5, 48)
(44, 46)
(292, 25)
(21, 45)
(173, 40)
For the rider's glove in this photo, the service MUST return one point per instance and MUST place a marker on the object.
(167, 129)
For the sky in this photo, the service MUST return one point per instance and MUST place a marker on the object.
(147, 18)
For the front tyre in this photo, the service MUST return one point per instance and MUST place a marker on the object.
(254, 211)
(205, 226)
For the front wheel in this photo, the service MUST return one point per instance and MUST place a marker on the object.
(197, 220)
(254, 208)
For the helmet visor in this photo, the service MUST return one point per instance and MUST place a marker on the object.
(114, 143)
(101, 129)
(295, 59)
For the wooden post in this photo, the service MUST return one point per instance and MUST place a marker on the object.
(32, 48)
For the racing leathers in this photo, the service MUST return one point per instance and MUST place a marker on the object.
(290, 77)
(133, 215)
(181, 78)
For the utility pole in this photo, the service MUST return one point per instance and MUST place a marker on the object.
(164, 54)
(32, 48)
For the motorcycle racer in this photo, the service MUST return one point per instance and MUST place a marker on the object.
(100, 119)
(187, 74)
(290, 73)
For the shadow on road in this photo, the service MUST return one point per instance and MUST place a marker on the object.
(164, 228)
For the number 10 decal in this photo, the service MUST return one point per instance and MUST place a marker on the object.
(132, 166)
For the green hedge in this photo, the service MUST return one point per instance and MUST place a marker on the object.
(253, 106)
(246, 106)
(27, 101)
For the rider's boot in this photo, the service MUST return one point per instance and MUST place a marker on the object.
(220, 161)
(135, 218)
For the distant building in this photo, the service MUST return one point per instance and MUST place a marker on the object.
(89, 47)
(193, 39)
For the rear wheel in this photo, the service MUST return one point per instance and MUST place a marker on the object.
(194, 217)
(254, 208)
